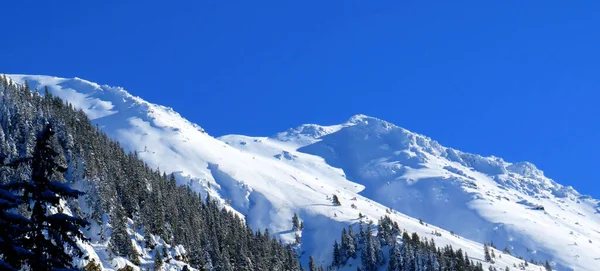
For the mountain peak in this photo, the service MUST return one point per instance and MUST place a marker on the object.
(364, 119)
(358, 118)
(306, 133)
(310, 133)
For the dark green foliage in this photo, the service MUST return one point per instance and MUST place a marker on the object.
(40, 240)
(295, 222)
(120, 242)
(14, 226)
(371, 251)
(158, 261)
(336, 200)
(486, 253)
(124, 187)
(347, 248)
(50, 232)
(412, 253)
(336, 254)
(314, 267)
(311, 264)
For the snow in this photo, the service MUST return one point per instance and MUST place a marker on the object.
(378, 164)
(87, 95)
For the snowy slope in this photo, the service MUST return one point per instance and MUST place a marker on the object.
(482, 198)
(366, 162)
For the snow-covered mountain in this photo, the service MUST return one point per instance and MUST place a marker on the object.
(369, 163)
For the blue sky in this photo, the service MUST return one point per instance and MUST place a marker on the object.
(516, 79)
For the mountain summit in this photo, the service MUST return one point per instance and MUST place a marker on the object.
(371, 165)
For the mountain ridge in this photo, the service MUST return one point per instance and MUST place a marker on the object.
(306, 159)
(353, 120)
(525, 168)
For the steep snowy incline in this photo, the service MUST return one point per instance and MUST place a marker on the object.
(265, 179)
(482, 198)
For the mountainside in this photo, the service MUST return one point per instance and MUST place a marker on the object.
(481, 198)
(135, 216)
(369, 164)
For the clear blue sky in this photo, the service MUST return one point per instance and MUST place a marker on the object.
(516, 79)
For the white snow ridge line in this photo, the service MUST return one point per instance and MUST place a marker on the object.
(366, 162)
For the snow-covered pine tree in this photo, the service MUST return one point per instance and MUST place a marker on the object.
(394, 263)
(50, 232)
(158, 261)
(410, 254)
(120, 242)
(311, 264)
(336, 200)
(347, 246)
(369, 252)
(361, 230)
(486, 253)
(352, 252)
(13, 225)
(295, 222)
(336, 254)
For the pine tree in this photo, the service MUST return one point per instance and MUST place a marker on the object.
(50, 233)
(352, 250)
(311, 264)
(411, 254)
(393, 261)
(347, 247)
(369, 253)
(207, 263)
(120, 242)
(225, 262)
(486, 253)
(548, 266)
(295, 222)
(336, 254)
(158, 261)
(336, 200)
(14, 226)
(361, 230)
